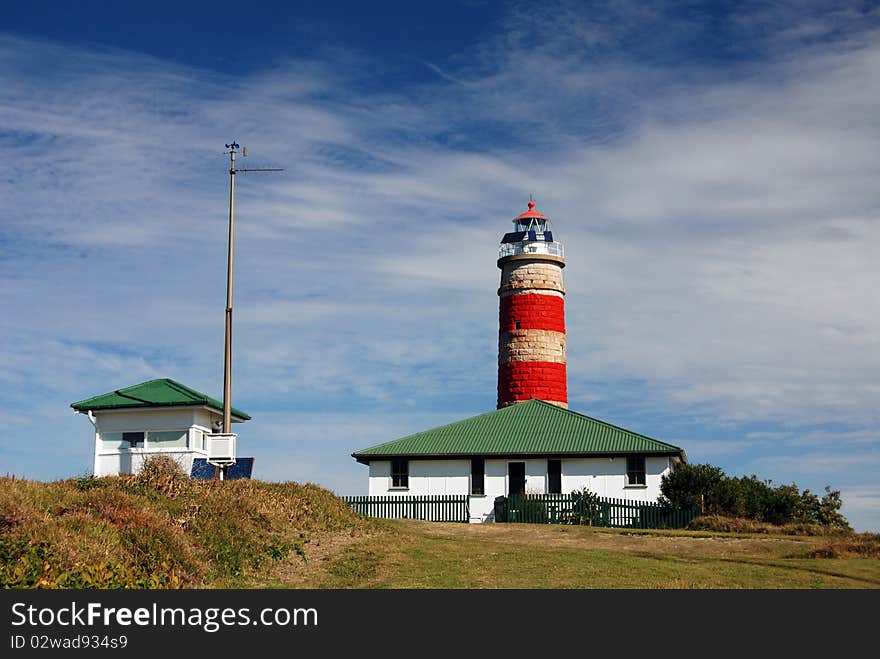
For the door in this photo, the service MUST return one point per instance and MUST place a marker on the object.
(516, 478)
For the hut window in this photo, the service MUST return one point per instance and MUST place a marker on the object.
(133, 439)
(113, 440)
(167, 438)
(400, 473)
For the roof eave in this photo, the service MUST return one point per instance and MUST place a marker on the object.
(79, 407)
(364, 458)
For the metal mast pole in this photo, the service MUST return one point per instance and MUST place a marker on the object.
(227, 355)
(220, 472)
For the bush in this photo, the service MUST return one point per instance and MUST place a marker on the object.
(749, 498)
(586, 507)
(163, 474)
(684, 486)
(825, 511)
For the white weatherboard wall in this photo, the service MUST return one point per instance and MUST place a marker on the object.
(111, 459)
(425, 477)
(607, 477)
(604, 476)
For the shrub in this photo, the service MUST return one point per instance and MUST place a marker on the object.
(586, 507)
(163, 474)
(825, 511)
(749, 498)
(685, 484)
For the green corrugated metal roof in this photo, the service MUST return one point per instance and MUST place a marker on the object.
(154, 393)
(533, 427)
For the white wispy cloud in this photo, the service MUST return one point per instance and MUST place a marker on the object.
(719, 225)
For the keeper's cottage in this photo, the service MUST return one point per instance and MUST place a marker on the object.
(532, 442)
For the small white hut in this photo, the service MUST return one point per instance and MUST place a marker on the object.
(159, 416)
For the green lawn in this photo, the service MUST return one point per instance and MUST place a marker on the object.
(410, 554)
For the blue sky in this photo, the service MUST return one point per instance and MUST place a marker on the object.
(711, 168)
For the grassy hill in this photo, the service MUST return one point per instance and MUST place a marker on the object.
(162, 530)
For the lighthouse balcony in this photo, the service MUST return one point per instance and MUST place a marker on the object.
(531, 247)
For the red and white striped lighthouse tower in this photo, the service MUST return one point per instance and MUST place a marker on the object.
(531, 331)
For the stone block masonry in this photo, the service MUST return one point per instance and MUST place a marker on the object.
(531, 346)
(531, 331)
(531, 276)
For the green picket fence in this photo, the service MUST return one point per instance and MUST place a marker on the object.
(596, 511)
(435, 508)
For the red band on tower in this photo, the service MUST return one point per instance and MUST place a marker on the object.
(519, 381)
(532, 311)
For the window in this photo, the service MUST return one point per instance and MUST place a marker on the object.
(478, 476)
(554, 476)
(167, 439)
(635, 470)
(400, 473)
(113, 441)
(133, 439)
(516, 324)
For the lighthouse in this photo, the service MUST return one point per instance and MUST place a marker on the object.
(532, 442)
(531, 329)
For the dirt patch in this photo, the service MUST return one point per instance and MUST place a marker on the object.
(307, 567)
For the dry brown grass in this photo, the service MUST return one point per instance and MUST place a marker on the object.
(162, 531)
(739, 525)
(863, 545)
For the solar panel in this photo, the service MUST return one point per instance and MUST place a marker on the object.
(532, 235)
(548, 236)
(243, 468)
(514, 237)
